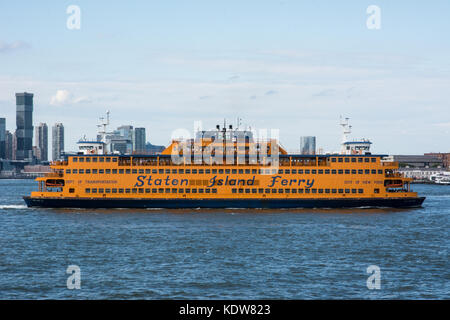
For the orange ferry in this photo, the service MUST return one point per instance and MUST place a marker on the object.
(184, 176)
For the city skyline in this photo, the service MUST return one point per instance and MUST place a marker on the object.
(164, 69)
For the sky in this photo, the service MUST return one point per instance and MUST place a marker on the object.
(296, 66)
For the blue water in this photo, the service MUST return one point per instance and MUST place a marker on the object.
(223, 254)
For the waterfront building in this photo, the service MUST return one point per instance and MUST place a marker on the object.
(139, 140)
(445, 157)
(8, 145)
(42, 141)
(24, 125)
(57, 141)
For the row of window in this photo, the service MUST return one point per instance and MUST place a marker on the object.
(222, 171)
(234, 190)
(346, 159)
(94, 159)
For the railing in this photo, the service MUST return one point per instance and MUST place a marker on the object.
(54, 175)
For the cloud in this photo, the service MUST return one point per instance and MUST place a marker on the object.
(13, 46)
(271, 92)
(64, 97)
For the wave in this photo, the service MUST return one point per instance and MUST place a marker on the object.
(13, 206)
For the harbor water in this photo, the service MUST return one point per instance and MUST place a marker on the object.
(224, 254)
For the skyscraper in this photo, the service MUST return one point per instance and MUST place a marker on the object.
(57, 141)
(307, 145)
(42, 141)
(24, 124)
(2, 138)
(8, 145)
(139, 140)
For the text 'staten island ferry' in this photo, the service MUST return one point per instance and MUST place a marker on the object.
(224, 168)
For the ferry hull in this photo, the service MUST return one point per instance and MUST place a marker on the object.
(222, 203)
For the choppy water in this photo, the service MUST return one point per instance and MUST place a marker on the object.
(212, 254)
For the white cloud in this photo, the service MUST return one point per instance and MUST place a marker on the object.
(64, 97)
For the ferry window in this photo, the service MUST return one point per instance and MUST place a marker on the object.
(214, 171)
(94, 171)
(154, 190)
(300, 171)
(340, 171)
(200, 190)
(188, 190)
(88, 159)
(367, 171)
(227, 171)
(75, 159)
(101, 159)
(247, 190)
(87, 190)
(141, 171)
(360, 190)
(366, 159)
(261, 190)
(307, 171)
(376, 190)
(121, 190)
(180, 190)
(120, 171)
(254, 171)
(114, 171)
(81, 171)
(274, 171)
(347, 171)
(107, 190)
(247, 171)
(220, 171)
(333, 159)
(280, 171)
(353, 159)
(114, 159)
(108, 171)
(380, 171)
(214, 190)
(347, 190)
(134, 171)
(194, 190)
(174, 190)
(147, 171)
(160, 190)
(75, 171)
(287, 171)
(100, 190)
(327, 190)
(108, 159)
(353, 190)
(333, 171)
(127, 171)
(339, 159)
(267, 190)
(294, 171)
(127, 190)
(207, 171)
(233, 190)
(94, 190)
(101, 171)
(188, 171)
(181, 171)
(320, 190)
(360, 160)
(81, 159)
(208, 190)
(241, 171)
(314, 171)
(234, 171)
(114, 190)
(360, 171)
(314, 190)
(294, 190)
(300, 190)
(274, 190)
(67, 170)
(168, 171)
(94, 159)
(347, 159)
(307, 191)
(161, 171)
(353, 171)
(88, 171)
(167, 190)
(333, 191)
(141, 190)
(146, 190)
(373, 159)
(174, 171)
(320, 171)
(287, 190)
(374, 171)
